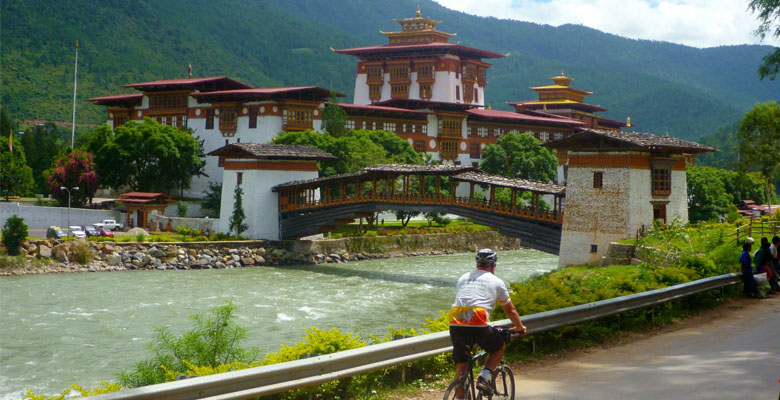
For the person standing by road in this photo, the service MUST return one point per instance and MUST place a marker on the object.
(476, 294)
(749, 284)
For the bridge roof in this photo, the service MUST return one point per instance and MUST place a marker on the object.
(514, 183)
(382, 169)
(272, 151)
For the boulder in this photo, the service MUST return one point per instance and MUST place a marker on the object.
(171, 252)
(247, 261)
(259, 260)
(156, 253)
(32, 249)
(44, 251)
(114, 259)
(60, 253)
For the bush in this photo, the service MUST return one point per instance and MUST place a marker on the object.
(14, 232)
(183, 230)
(140, 237)
(76, 391)
(82, 254)
(213, 341)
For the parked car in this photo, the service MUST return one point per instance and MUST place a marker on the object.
(55, 232)
(76, 231)
(108, 224)
(91, 230)
(105, 232)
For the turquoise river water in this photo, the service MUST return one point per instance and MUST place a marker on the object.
(60, 329)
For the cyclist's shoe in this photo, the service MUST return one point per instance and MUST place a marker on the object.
(483, 385)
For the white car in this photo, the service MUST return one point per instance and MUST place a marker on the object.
(108, 224)
(77, 231)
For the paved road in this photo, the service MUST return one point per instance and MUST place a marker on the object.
(732, 352)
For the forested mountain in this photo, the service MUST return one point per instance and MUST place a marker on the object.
(685, 91)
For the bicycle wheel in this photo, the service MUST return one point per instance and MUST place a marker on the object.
(454, 386)
(503, 383)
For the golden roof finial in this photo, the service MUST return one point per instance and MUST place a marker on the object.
(490, 107)
(189, 70)
(418, 12)
(562, 73)
(628, 124)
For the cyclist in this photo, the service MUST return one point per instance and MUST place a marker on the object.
(476, 295)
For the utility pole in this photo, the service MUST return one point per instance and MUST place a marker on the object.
(75, 82)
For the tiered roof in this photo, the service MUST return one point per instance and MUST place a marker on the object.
(513, 183)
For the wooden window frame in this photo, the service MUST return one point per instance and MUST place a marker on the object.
(252, 117)
(598, 179)
(661, 178)
(209, 118)
(419, 146)
(228, 121)
(475, 149)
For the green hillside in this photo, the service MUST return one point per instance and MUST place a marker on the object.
(664, 87)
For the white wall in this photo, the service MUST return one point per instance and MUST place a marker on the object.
(261, 205)
(42, 217)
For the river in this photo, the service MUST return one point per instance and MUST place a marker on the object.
(60, 329)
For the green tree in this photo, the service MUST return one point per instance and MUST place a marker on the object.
(707, 196)
(14, 232)
(146, 156)
(41, 147)
(354, 150)
(334, 117)
(238, 217)
(759, 142)
(769, 17)
(212, 199)
(75, 169)
(16, 178)
(519, 156)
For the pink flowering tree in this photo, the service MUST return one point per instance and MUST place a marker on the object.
(74, 169)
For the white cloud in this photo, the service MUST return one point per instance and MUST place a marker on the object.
(699, 23)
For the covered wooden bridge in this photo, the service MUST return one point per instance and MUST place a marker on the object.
(510, 205)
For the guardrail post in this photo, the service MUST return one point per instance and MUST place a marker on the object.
(403, 367)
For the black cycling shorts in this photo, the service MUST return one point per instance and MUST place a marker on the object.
(463, 337)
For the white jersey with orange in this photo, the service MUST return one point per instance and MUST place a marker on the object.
(476, 295)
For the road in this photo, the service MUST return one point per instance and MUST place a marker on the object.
(731, 352)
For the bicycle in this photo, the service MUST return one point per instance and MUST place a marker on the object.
(502, 381)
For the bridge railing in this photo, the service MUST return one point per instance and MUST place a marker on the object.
(288, 203)
(270, 379)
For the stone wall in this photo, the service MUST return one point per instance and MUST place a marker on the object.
(59, 256)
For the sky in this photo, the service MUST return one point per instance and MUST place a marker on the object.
(697, 23)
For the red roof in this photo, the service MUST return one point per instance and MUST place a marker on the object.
(534, 104)
(213, 83)
(426, 47)
(513, 116)
(119, 99)
(357, 107)
(312, 92)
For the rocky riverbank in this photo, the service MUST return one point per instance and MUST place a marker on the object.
(57, 256)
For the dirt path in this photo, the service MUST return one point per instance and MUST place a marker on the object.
(731, 352)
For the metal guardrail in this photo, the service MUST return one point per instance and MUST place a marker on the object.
(277, 378)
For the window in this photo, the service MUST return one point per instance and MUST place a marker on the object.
(598, 180)
(228, 118)
(450, 127)
(167, 101)
(120, 119)
(594, 248)
(662, 181)
(389, 126)
(424, 129)
(419, 146)
(475, 150)
(399, 91)
(374, 92)
(297, 118)
(476, 95)
(457, 92)
(425, 91)
(239, 178)
(252, 117)
(425, 72)
(375, 73)
(448, 149)
(350, 125)
(210, 118)
(468, 91)
(399, 73)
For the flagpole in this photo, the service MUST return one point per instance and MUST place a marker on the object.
(75, 81)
